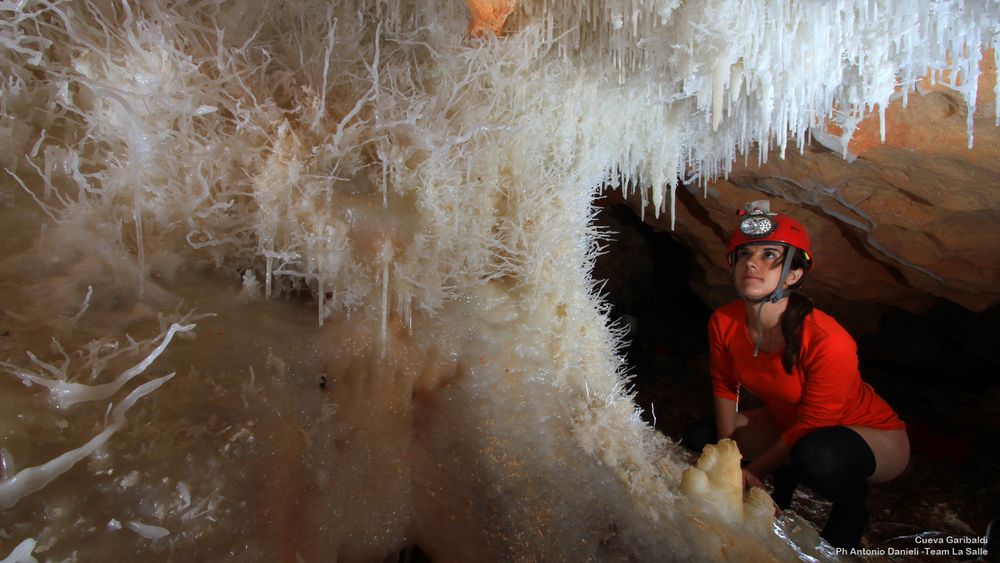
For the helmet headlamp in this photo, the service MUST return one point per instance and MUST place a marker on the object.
(758, 224)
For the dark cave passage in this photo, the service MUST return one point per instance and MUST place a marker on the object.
(938, 370)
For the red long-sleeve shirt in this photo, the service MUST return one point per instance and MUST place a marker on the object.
(824, 389)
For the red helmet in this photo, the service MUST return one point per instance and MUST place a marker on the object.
(759, 226)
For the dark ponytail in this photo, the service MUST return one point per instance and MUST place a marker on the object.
(799, 306)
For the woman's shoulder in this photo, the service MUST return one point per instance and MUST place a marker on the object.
(730, 313)
(727, 321)
(821, 327)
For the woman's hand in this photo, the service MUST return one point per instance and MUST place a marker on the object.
(764, 464)
(751, 480)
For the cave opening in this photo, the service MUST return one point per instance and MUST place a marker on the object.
(937, 368)
(646, 275)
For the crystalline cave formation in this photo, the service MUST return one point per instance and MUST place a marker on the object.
(310, 281)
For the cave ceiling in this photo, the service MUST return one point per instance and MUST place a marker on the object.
(900, 223)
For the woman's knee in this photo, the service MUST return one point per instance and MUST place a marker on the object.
(833, 461)
(755, 432)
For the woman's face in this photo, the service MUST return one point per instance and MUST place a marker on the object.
(757, 267)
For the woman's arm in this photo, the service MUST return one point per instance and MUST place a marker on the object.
(773, 458)
(725, 423)
(725, 417)
(725, 387)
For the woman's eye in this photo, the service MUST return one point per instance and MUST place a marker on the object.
(771, 254)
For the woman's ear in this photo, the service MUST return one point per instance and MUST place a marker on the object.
(794, 277)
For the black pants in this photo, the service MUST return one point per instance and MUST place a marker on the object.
(835, 462)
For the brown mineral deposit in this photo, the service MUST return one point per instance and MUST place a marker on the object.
(488, 15)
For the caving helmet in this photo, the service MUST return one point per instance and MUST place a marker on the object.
(760, 226)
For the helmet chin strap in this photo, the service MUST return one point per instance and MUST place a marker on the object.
(779, 291)
(774, 296)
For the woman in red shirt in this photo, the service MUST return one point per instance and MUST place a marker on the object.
(821, 424)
